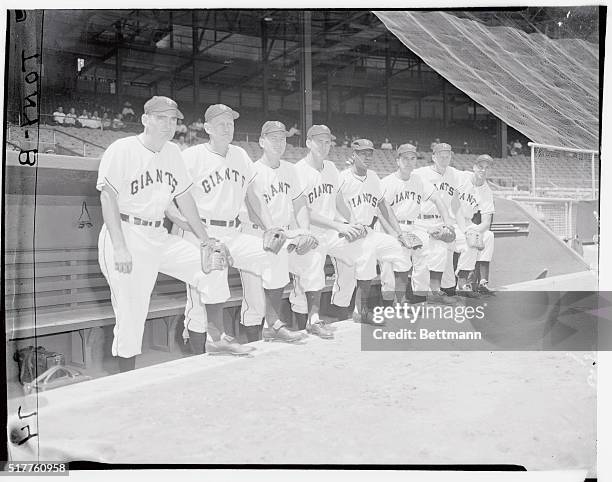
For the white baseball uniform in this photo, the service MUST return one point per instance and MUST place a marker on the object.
(404, 197)
(362, 194)
(278, 188)
(145, 182)
(220, 185)
(436, 252)
(320, 188)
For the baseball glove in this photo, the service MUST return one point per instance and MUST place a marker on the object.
(303, 243)
(443, 233)
(410, 241)
(273, 240)
(474, 239)
(214, 255)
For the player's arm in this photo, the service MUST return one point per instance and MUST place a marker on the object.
(258, 208)
(188, 209)
(388, 217)
(112, 219)
(485, 223)
(301, 213)
(342, 208)
(174, 215)
(436, 198)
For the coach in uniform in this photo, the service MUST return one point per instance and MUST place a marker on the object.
(139, 177)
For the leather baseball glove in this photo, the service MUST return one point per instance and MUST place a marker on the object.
(303, 243)
(443, 233)
(474, 239)
(274, 239)
(410, 241)
(214, 255)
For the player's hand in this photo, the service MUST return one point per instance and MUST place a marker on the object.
(123, 261)
(350, 231)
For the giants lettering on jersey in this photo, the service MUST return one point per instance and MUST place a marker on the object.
(281, 187)
(446, 187)
(219, 177)
(406, 196)
(362, 199)
(146, 179)
(319, 191)
(468, 198)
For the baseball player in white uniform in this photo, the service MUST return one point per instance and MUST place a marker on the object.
(139, 177)
(363, 194)
(277, 184)
(469, 201)
(446, 179)
(321, 182)
(222, 175)
(404, 193)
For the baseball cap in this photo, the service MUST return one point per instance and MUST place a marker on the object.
(318, 129)
(218, 109)
(273, 126)
(362, 144)
(406, 148)
(442, 146)
(159, 103)
(484, 158)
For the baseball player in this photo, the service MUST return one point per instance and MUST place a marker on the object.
(223, 174)
(446, 179)
(337, 237)
(276, 182)
(363, 194)
(473, 241)
(138, 178)
(404, 194)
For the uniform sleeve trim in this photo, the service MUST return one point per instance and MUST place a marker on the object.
(106, 182)
(184, 190)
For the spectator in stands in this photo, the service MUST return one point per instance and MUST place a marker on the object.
(95, 121)
(128, 114)
(387, 146)
(59, 116)
(346, 141)
(415, 144)
(83, 119)
(465, 149)
(434, 143)
(181, 142)
(517, 148)
(117, 123)
(294, 131)
(198, 127)
(181, 129)
(106, 121)
(71, 117)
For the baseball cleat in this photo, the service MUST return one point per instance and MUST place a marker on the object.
(483, 287)
(467, 292)
(441, 298)
(319, 329)
(282, 334)
(227, 347)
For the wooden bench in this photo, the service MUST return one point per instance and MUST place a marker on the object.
(72, 296)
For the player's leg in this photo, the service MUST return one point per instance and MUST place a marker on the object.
(387, 282)
(253, 306)
(130, 293)
(483, 262)
(438, 256)
(344, 285)
(465, 265)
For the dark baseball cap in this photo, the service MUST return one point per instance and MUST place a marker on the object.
(273, 126)
(442, 146)
(218, 109)
(362, 145)
(406, 148)
(158, 104)
(317, 130)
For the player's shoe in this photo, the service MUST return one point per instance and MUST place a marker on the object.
(483, 287)
(319, 329)
(467, 292)
(441, 298)
(227, 346)
(283, 334)
(366, 317)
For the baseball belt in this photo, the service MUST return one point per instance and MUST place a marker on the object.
(216, 222)
(405, 221)
(139, 222)
(429, 216)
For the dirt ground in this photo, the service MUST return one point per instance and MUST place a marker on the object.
(327, 402)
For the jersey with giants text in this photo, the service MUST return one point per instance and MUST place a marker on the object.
(405, 197)
(361, 194)
(319, 187)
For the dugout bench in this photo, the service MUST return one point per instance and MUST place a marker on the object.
(72, 296)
